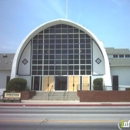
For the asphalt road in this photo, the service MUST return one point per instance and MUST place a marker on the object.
(62, 118)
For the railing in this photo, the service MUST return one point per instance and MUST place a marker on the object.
(50, 91)
(105, 88)
(119, 88)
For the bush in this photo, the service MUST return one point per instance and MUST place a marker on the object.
(98, 84)
(27, 89)
(127, 88)
(16, 84)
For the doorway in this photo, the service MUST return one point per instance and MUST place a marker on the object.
(61, 83)
(115, 82)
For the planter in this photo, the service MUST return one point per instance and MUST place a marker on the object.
(26, 95)
(104, 96)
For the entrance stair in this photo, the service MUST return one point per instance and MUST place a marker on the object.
(67, 96)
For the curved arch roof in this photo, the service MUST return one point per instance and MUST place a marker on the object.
(46, 25)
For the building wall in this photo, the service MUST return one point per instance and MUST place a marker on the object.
(3, 78)
(123, 76)
(98, 67)
(24, 67)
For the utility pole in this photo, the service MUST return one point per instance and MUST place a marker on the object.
(67, 9)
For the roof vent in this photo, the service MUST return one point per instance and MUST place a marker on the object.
(5, 56)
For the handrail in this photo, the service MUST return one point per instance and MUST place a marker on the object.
(50, 92)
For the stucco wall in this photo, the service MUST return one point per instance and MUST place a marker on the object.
(98, 68)
(123, 76)
(24, 69)
(3, 78)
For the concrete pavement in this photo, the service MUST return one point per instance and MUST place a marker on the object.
(62, 118)
(62, 103)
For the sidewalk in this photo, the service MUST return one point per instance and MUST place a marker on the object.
(62, 103)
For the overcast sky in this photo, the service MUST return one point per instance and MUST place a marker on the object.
(109, 20)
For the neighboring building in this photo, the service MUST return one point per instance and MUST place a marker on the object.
(64, 56)
(119, 60)
(5, 70)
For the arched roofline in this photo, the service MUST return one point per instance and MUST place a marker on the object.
(46, 25)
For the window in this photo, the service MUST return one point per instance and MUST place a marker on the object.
(76, 40)
(88, 72)
(45, 67)
(58, 56)
(39, 56)
(64, 68)
(34, 67)
(70, 56)
(70, 35)
(76, 36)
(70, 61)
(51, 67)
(88, 46)
(51, 72)
(82, 57)
(4, 56)
(52, 36)
(64, 40)
(52, 57)
(70, 45)
(70, 51)
(121, 56)
(46, 46)
(64, 56)
(51, 61)
(115, 56)
(76, 57)
(76, 72)
(58, 36)
(64, 61)
(70, 72)
(64, 46)
(82, 40)
(82, 35)
(82, 62)
(127, 56)
(76, 46)
(70, 40)
(70, 67)
(82, 72)
(76, 61)
(51, 46)
(61, 50)
(82, 45)
(64, 36)
(58, 46)
(87, 40)
(76, 67)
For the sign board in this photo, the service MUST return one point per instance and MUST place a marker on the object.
(12, 95)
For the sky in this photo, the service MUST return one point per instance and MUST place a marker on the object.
(109, 20)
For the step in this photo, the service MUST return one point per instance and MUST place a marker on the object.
(56, 96)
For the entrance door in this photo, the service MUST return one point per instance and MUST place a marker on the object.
(61, 83)
(36, 83)
(115, 82)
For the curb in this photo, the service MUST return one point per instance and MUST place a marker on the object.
(57, 105)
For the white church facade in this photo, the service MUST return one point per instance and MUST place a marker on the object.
(62, 55)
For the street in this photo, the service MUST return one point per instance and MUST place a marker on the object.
(62, 118)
